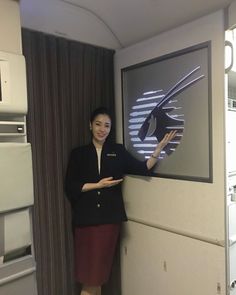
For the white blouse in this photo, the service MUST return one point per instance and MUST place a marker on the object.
(99, 151)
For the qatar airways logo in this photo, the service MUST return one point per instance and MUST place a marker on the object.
(157, 112)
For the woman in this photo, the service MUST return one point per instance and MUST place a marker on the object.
(93, 186)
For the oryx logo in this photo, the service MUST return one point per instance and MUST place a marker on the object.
(157, 112)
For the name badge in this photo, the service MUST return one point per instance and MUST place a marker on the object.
(111, 155)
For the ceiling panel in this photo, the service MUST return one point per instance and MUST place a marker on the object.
(125, 21)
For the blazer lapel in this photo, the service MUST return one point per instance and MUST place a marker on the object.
(94, 160)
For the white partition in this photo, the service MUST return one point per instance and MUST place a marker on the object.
(231, 144)
(13, 94)
(232, 221)
(157, 262)
(16, 189)
(193, 211)
(195, 208)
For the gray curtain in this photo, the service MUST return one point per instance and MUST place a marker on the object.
(66, 81)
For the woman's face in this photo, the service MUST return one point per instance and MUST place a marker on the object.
(100, 127)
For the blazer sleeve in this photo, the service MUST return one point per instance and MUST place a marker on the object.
(133, 165)
(73, 180)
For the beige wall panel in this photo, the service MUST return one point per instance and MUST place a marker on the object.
(158, 262)
(20, 238)
(10, 27)
(13, 84)
(16, 189)
(195, 208)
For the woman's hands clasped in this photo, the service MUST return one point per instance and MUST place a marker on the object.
(108, 182)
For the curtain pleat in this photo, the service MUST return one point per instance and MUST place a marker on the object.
(66, 81)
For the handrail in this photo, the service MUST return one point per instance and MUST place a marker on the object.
(17, 276)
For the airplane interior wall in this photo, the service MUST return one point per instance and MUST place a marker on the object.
(17, 263)
(174, 242)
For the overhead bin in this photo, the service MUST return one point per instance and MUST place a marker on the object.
(16, 189)
(13, 90)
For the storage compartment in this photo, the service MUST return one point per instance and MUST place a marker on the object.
(15, 232)
(13, 92)
(16, 188)
(18, 277)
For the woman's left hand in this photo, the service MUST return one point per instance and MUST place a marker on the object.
(166, 139)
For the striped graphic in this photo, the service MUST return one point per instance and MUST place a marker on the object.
(156, 113)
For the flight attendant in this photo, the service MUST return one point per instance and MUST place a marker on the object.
(93, 186)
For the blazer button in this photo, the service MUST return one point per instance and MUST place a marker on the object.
(98, 205)
(99, 192)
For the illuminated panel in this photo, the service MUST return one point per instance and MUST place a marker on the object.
(171, 92)
(156, 113)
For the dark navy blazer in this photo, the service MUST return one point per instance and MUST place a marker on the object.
(104, 205)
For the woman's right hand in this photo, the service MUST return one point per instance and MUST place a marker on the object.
(108, 182)
(103, 183)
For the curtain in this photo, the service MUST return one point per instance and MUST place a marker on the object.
(66, 81)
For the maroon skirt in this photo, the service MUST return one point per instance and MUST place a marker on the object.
(94, 252)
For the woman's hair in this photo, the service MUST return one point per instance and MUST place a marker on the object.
(99, 111)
